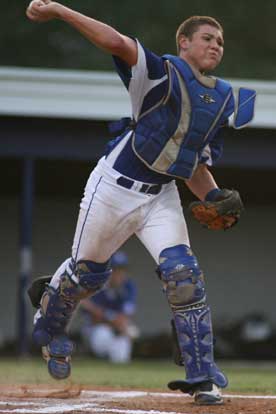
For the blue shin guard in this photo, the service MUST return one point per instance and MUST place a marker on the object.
(58, 305)
(184, 285)
(56, 309)
(195, 340)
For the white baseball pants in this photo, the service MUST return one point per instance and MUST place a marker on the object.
(111, 214)
(103, 342)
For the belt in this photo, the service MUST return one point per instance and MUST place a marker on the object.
(140, 187)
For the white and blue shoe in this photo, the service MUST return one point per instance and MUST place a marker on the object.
(208, 394)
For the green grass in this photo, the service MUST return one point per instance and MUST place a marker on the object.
(149, 374)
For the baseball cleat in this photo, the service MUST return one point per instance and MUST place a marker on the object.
(58, 356)
(208, 394)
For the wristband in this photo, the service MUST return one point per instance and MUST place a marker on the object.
(211, 196)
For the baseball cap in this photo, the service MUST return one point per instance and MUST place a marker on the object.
(119, 259)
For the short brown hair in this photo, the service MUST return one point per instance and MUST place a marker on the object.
(191, 25)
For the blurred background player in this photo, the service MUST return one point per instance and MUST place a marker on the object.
(108, 326)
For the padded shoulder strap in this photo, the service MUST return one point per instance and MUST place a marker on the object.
(190, 73)
(244, 108)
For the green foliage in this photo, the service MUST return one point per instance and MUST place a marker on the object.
(249, 34)
(141, 374)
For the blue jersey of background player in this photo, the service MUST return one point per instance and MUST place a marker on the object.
(108, 328)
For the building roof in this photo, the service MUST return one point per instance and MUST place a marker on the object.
(94, 95)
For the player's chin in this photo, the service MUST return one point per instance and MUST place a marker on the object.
(210, 65)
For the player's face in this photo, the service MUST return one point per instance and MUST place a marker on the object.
(204, 50)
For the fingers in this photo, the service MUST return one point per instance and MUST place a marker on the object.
(35, 5)
(31, 14)
(34, 10)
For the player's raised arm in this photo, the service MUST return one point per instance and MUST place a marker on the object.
(100, 34)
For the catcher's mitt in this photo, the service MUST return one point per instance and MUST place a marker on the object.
(221, 213)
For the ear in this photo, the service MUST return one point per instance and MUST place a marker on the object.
(183, 42)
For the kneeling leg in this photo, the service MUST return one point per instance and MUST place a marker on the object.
(183, 283)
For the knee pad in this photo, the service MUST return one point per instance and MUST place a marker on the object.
(90, 276)
(58, 305)
(182, 278)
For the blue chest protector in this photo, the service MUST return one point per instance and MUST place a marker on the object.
(170, 137)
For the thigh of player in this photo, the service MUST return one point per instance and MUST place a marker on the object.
(165, 225)
(109, 215)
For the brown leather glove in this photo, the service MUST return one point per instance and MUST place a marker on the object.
(221, 213)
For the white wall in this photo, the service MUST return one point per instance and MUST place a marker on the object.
(83, 94)
(239, 264)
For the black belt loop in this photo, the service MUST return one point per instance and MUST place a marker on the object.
(155, 189)
(144, 188)
(125, 182)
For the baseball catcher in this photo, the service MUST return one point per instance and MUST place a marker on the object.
(178, 117)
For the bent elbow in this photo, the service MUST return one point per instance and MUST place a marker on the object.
(126, 49)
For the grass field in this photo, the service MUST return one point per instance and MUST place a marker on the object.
(144, 374)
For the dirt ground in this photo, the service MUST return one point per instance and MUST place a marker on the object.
(73, 399)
